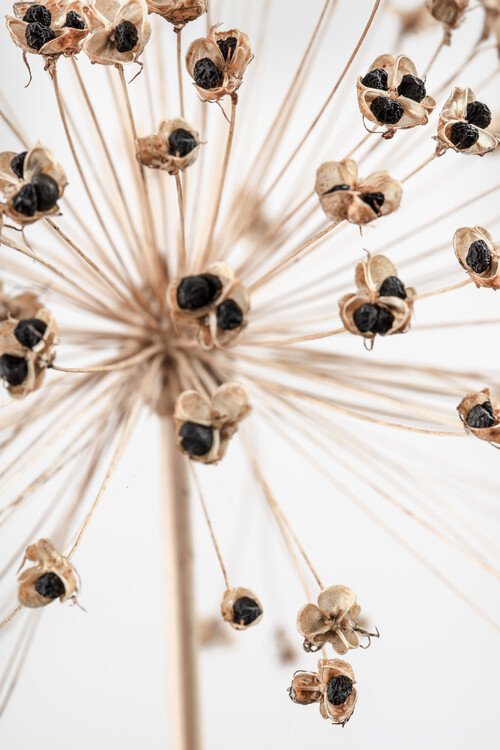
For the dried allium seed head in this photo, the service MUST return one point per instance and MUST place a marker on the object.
(333, 621)
(175, 147)
(481, 416)
(449, 12)
(52, 577)
(119, 31)
(178, 12)
(343, 196)
(42, 27)
(305, 688)
(479, 255)
(241, 608)
(461, 124)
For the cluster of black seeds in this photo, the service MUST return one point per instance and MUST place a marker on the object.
(227, 46)
(229, 315)
(38, 31)
(387, 111)
(481, 416)
(373, 318)
(337, 187)
(13, 369)
(41, 194)
(195, 292)
(338, 689)
(245, 611)
(181, 142)
(206, 74)
(412, 88)
(197, 439)
(50, 586)
(374, 200)
(479, 257)
(392, 286)
(376, 79)
(30, 331)
(465, 134)
(126, 36)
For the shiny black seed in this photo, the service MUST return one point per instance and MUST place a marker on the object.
(50, 586)
(126, 36)
(365, 317)
(245, 611)
(463, 135)
(37, 35)
(197, 439)
(337, 187)
(392, 287)
(13, 369)
(181, 142)
(338, 689)
(374, 200)
(481, 416)
(227, 46)
(412, 88)
(376, 79)
(38, 14)
(479, 257)
(194, 292)
(17, 164)
(30, 331)
(478, 114)
(74, 21)
(229, 315)
(384, 322)
(387, 111)
(206, 74)
(47, 191)
(25, 201)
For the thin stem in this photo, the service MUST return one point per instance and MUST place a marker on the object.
(182, 255)
(121, 365)
(209, 523)
(444, 41)
(11, 615)
(444, 289)
(421, 166)
(179, 69)
(295, 339)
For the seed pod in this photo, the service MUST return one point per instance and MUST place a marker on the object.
(52, 577)
(461, 124)
(332, 687)
(178, 12)
(479, 255)
(241, 608)
(448, 12)
(49, 27)
(305, 688)
(118, 31)
(175, 147)
(481, 416)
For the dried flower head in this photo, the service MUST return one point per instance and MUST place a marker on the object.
(479, 255)
(481, 416)
(175, 147)
(463, 122)
(332, 686)
(392, 94)
(215, 301)
(241, 608)
(178, 12)
(49, 27)
(449, 12)
(31, 182)
(119, 31)
(382, 303)
(204, 428)
(52, 576)
(344, 196)
(216, 63)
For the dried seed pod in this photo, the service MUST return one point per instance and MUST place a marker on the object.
(119, 31)
(49, 27)
(414, 20)
(332, 687)
(481, 416)
(52, 577)
(241, 608)
(24, 305)
(178, 12)
(479, 255)
(305, 688)
(216, 63)
(175, 147)
(31, 183)
(392, 94)
(204, 428)
(344, 196)
(462, 124)
(382, 303)
(448, 12)
(214, 301)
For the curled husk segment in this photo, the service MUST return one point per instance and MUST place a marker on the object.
(312, 687)
(222, 414)
(231, 69)
(47, 561)
(178, 12)
(104, 17)
(227, 607)
(455, 111)
(38, 161)
(476, 400)
(462, 241)
(370, 274)
(347, 203)
(332, 621)
(413, 112)
(154, 151)
(448, 12)
(67, 41)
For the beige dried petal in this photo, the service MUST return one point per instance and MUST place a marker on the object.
(463, 239)
(191, 407)
(229, 599)
(311, 622)
(336, 601)
(229, 404)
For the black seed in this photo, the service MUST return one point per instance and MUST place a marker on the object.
(481, 416)
(30, 332)
(17, 164)
(206, 74)
(245, 611)
(392, 287)
(195, 292)
(74, 21)
(126, 36)
(38, 14)
(13, 369)
(37, 35)
(365, 317)
(25, 201)
(412, 87)
(374, 200)
(479, 257)
(197, 439)
(50, 586)
(229, 315)
(181, 142)
(385, 319)
(376, 79)
(227, 46)
(463, 135)
(47, 191)
(387, 111)
(337, 187)
(478, 114)
(338, 689)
